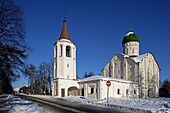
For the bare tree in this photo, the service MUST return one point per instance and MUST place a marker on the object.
(88, 74)
(13, 48)
(46, 73)
(31, 72)
(40, 77)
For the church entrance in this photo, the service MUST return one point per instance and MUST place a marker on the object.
(62, 92)
(73, 91)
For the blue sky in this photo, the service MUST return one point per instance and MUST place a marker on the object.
(97, 27)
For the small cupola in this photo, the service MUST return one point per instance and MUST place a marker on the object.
(130, 37)
(130, 44)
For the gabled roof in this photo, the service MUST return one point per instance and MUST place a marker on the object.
(64, 33)
(135, 59)
(140, 58)
(97, 77)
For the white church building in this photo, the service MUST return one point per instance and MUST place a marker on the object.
(131, 75)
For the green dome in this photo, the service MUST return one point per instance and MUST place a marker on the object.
(130, 37)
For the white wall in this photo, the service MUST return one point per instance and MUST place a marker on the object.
(63, 84)
(149, 74)
(101, 87)
(64, 67)
(131, 48)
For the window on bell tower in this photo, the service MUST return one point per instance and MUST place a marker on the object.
(61, 51)
(68, 51)
(133, 51)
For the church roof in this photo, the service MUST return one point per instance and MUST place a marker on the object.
(64, 33)
(129, 37)
(97, 77)
(140, 58)
(136, 59)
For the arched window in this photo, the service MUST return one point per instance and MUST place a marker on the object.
(126, 50)
(118, 91)
(92, 90)
(61, 51)
(68, 51)
(133, 51)
(135, 92)
(126, 91)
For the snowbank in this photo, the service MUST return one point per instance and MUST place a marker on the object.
(17, 105)
(154, 105)
(151, 105)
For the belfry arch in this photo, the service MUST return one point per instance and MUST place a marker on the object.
(73, 91)
(68, 51)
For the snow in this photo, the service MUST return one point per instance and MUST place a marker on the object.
(136, 59)
(156, 105)
(150, 105)
(17, 105)
(16, 89)
(140, 58)
(97, 77)
(129, 33)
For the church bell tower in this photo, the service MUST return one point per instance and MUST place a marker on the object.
(64, 82)
(64, 56)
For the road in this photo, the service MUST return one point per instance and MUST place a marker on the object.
(60, 106)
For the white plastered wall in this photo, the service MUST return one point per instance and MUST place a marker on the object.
(64, 67)
(64, 84)
(131, 48)
(101, 89)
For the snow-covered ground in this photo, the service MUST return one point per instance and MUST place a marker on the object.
(17, 105)
(151, 105)
(154, 105)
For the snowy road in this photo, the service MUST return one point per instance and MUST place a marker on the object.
(79, 104)
(69, 107)
(13, 104)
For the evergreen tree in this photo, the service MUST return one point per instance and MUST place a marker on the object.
(164, 90)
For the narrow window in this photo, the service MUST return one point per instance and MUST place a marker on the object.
(82, 92)
(132, 51)
(67, 65)
(61, 51)
(127, 51)
(68, 51)
(127, 91)
(92, 90)
(135, 92)
(118, 91)
(56, 51)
